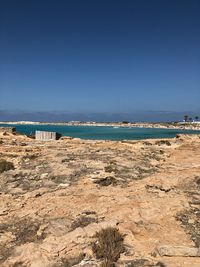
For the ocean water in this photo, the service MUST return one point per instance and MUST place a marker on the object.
(103, 133)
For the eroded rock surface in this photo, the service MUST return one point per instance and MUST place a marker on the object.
(60, 193)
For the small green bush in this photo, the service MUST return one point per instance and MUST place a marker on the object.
(108, 246)
(5, 165)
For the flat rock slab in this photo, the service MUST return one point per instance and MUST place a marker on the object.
(180, 251)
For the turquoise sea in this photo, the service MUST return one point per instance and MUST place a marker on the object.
(103, 133)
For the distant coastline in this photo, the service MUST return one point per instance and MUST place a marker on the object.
(164, 125)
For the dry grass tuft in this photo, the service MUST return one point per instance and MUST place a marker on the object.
(82, 221)
(108, 246)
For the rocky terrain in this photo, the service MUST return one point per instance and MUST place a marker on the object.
(57, 196)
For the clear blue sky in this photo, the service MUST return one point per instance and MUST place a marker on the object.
(99, 55)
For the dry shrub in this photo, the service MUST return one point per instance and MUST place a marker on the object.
(106, 181)
(107, 263)
(5, 165)
(111, 168)
(108, 246)
(163, 142)
(82, 221)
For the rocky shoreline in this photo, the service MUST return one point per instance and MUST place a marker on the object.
(177, 125)
(57, 195)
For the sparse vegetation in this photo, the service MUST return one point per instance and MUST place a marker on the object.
(82, 221)
(108, 246)
(25, 230)
(31, 156)
(112, 167)
(163, 142)
(106, 181)
(107, 263)
(5, 165)
(190, 218)
(144, 263)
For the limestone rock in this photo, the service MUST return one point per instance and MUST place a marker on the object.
(176, 251)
